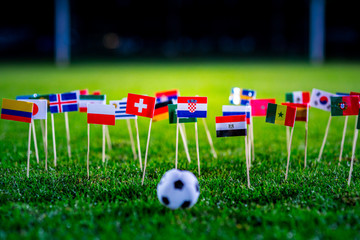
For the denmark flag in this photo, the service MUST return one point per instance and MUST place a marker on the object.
(140, 105)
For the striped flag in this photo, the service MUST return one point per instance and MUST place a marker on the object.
(344, 106)
(301, 111)
(101, 114)
(84, 100)
(230, 110)
(161, 111)
(230, 126)
(297, 97)
(64, 102)
(240, 96)
(120, 109)
(281, 115)
(193, 107)
(16, 110)
(165, 96)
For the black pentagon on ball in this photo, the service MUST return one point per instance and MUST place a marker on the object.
(185, 204)
(197, 187)
(165, 200)
(178, 184)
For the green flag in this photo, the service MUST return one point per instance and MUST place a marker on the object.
(172, 115)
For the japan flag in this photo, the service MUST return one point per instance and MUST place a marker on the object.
(40, 108)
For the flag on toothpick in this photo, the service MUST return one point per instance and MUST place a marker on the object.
(101, 114)
(161, 111)
(140, 105)
(259, 106)
(195, 107)
(344, 106)
(120, 109)
(240, 96)
(84, 100)
(231, 126)
(173, 115)
(84, 92)
(281, 115)
(64, 102)
(230, 110)
(39, 109)
(165, 96)
(297, 97)
(321, 99)
(301, 111)
(16, 110)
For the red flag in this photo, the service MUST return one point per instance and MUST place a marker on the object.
(301, 110)
(259, 106)
(140, 105)
(355, 94)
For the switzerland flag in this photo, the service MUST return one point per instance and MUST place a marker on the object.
(140, 105)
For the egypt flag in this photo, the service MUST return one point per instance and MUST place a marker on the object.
(39, 109)
(84, 100)
(166, 96)
(230, 126)
(281, 115)
(301, 111)
(259, 106)
(297, 97)
(344, 106)
(230, 110)
(140, 105)
(101, 114)
(16, 110)
(193, 107)
(161, 111)
(173, 115)
(321, 99)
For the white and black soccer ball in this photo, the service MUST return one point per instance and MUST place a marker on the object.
(178, 188)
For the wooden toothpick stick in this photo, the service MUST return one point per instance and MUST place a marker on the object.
(67, 133)
(209, 138)
(289, 152)
(183, 136)
(197, 147)
(28, 151)
(131, 139)
(103, 143)
(343, 139)
(53, 135)
(177, 142)
(325, 137)
(146, 152)
(353, 155)
(35, 141)
(88, 153)
(138, 142)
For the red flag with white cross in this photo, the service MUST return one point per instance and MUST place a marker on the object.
(140, 105)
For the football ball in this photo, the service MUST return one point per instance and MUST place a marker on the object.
(177, 189)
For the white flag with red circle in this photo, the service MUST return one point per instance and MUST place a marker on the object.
(39, 109)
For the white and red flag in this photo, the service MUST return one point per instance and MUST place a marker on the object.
(39, 108)
(101, 114)
(140, 105)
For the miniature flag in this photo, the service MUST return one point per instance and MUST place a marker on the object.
(230, 110)
(230, 126)
(195, 107)
(97, 92)
(64, 102)
(344, 106)
(259, 106)
(240, 96)
(101, 114)
(16, 110)
(165, 96)
(39, 109)
(84, 92)
(301, 111)
(161, 111)
(120, 110)
(140, 105)
(173, 115)
(355, 94)
(321, 99)
(282, 115)
(23, 97)
(84, 100)
(297, 97)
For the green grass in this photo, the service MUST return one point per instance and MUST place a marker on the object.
(315, 203)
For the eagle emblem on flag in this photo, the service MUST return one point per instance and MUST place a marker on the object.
(192, 105)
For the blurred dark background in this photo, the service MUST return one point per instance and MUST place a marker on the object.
(178, 28)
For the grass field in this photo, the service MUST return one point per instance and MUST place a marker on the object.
(315, 203)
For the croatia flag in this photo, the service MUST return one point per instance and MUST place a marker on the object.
(64, 102)
(230, 126)
(231, 110)
(101, 114)
(193, 107)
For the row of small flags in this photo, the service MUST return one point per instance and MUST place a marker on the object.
(169, 105)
